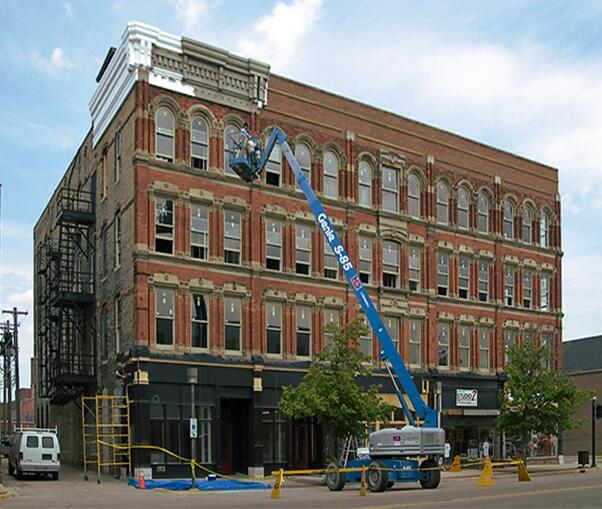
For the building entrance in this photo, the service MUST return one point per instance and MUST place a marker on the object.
(235, 436)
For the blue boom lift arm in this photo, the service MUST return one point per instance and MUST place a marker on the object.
(248, 165)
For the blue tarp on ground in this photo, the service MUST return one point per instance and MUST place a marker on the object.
(200, 484)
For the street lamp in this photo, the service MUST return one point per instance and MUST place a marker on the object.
(593, 464)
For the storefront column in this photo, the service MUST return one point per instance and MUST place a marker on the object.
(256, 467)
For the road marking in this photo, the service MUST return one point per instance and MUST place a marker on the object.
(472, 499)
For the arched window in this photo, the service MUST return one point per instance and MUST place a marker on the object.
(508, 220)
(164, 134)
(442, 203)
(231, 136)
(544, 230)
(303, 156)
(413, 196)
(331, 174)
(527, 225)
(365, 184)
(463, 205)
(199, 143)
(483, 213)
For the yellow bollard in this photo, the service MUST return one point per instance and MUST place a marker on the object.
(278, 482)
(486, 478)
(363, 492)
(455, 467)
(523, 475)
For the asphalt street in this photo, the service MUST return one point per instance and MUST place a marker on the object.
(548, 489)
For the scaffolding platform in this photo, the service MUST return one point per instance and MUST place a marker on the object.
(106, 435)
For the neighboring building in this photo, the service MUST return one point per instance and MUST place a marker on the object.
(582, 361)
(153, 252)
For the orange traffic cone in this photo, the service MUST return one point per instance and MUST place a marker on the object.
(141, 484)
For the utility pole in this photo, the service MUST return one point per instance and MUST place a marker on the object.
(8, 379)
(15, 312)
(593, 464)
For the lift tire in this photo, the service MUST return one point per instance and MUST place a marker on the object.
(11, 469)
(334, 478)
(377, 477)
(432, 477)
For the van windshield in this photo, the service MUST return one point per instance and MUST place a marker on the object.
(32, 441)
(47, 442)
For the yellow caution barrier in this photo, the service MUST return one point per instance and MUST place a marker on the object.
(486, 477)
(278, 484)
(455, 466)
(363, 491)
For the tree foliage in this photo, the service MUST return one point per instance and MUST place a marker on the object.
(537, 399)
(330, 391)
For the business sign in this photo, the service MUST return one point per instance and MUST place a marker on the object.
(467, 397)
(193, 428)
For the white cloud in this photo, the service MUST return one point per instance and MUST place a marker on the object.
(190, 13)
(278, 36)
(55, 62)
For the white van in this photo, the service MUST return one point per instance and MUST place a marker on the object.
(36, 451)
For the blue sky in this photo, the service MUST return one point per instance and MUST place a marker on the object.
(524, 76)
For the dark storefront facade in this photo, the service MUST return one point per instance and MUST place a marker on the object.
(469, 409)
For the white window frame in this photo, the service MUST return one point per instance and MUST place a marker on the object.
(544, 230)
(200, 212)
(167, 133)
(165, 236)
(509, 285)
(233, 302)
(229, 147)
(390, 188)
(273, 321)
(199, 321)
(442, 203)
(273, 239)
(301, 328)
(464, 337)
(544, 291)
(331, 264)
(527, 288)
(510, 336)
(442, 273)
(331, 175)
(303, 164)
(443, 343)
(527, 226)
(463, 219)
(414, 198)
(365, 259)
(167, 293)
(364, 195)
(483, 213)
(301, 248)
(415, 340)
(508, 213)
(117, 320)
(390, 269)
(485, 348)
(199, 162)
(414, 268)
(118, 147)
(392, 325)
(329, 318)
(232, 236)
(484, 282)
(464, 277)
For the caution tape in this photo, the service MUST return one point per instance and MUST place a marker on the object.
(192, 462)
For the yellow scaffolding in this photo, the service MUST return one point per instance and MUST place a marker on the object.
(106, 434)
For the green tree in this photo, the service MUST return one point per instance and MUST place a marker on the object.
(330, 392)
(537, 399)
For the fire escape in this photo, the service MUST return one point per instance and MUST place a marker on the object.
(65, 300)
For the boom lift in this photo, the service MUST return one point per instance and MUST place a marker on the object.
(395, 455)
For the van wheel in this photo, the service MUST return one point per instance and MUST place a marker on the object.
(11, 470)
(55, 476)
(18, 474)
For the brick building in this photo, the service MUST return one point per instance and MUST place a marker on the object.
(169, 262)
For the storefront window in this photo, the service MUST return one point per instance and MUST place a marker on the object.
(274, 435)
